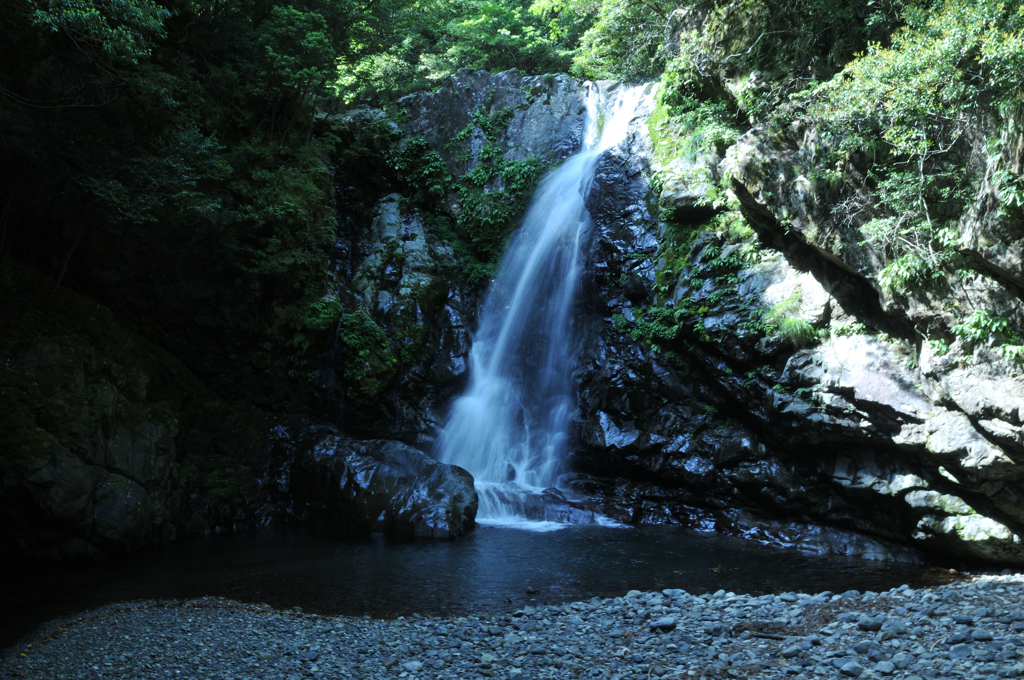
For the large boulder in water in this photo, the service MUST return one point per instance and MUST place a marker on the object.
(352, 488)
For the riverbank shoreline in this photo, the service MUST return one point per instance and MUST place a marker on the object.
(971, 629)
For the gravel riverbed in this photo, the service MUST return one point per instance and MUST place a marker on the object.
(972, 629)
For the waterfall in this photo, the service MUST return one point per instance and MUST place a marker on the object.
(510, 427)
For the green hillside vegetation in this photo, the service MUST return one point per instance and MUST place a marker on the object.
(189, 126)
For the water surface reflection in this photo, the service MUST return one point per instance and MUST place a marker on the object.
(493, 569)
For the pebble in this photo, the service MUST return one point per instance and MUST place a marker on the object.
(871, 623)
(853, 669)
(664, 624)
(924, 633)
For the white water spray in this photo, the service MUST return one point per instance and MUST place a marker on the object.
(510, 427)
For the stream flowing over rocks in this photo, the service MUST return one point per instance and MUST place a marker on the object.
(972, 630)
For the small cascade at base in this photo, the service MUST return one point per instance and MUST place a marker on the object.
(510, 428)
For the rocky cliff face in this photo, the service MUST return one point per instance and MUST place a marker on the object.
(739, 368)
(930, 442)
(344, 487)
(88, 431)
(752, 373)
(725, 380)
(109, 442)
(735, 373)
(407, 277)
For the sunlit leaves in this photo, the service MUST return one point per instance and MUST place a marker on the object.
(924, 88)
(297, 50)
(952, 68)
(625, 41)
(426, 41)
(123, 29)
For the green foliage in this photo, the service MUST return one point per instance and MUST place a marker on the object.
(492, 123)
(655, 324)
(187, 127)
(625, 40)
(405, 46)
(421, 42)
(848, 328)
(922, 91)
(983, 327)
(939, 346)
(683, 126)
(492, 198)
(124, 30)
(467, 267)
(782, 319)
(796, 331)
(284, 220)
(665, 327)
(906, 271)
(421, 169)
(495, 35)
(908, 106)
(492, 194)
(368, 363)
(166, 184)
(757, 53)
(1009, 187)
(297, 50)
(908, 232)
(309, 323)
(678, 249)
(1013, 353)
(734, 227)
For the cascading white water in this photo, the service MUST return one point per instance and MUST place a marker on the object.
(509, 429)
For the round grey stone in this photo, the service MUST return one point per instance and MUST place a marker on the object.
(852, 669)
(884, 667)
(665, 623)
(871, 623)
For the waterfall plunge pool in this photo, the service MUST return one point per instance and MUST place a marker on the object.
(510, 426)
(491, 570)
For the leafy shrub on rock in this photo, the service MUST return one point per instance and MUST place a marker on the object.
(369, 365)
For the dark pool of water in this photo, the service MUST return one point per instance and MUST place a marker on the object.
(491, 570)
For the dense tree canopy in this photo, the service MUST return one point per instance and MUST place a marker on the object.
(197, 114)
(193, 119)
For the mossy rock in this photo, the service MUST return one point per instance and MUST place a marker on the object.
(95, 423)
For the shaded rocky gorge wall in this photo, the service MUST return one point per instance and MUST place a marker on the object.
(738, 370)
(759, 371)
(695, 405)
(739, 366)
(130, 422)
